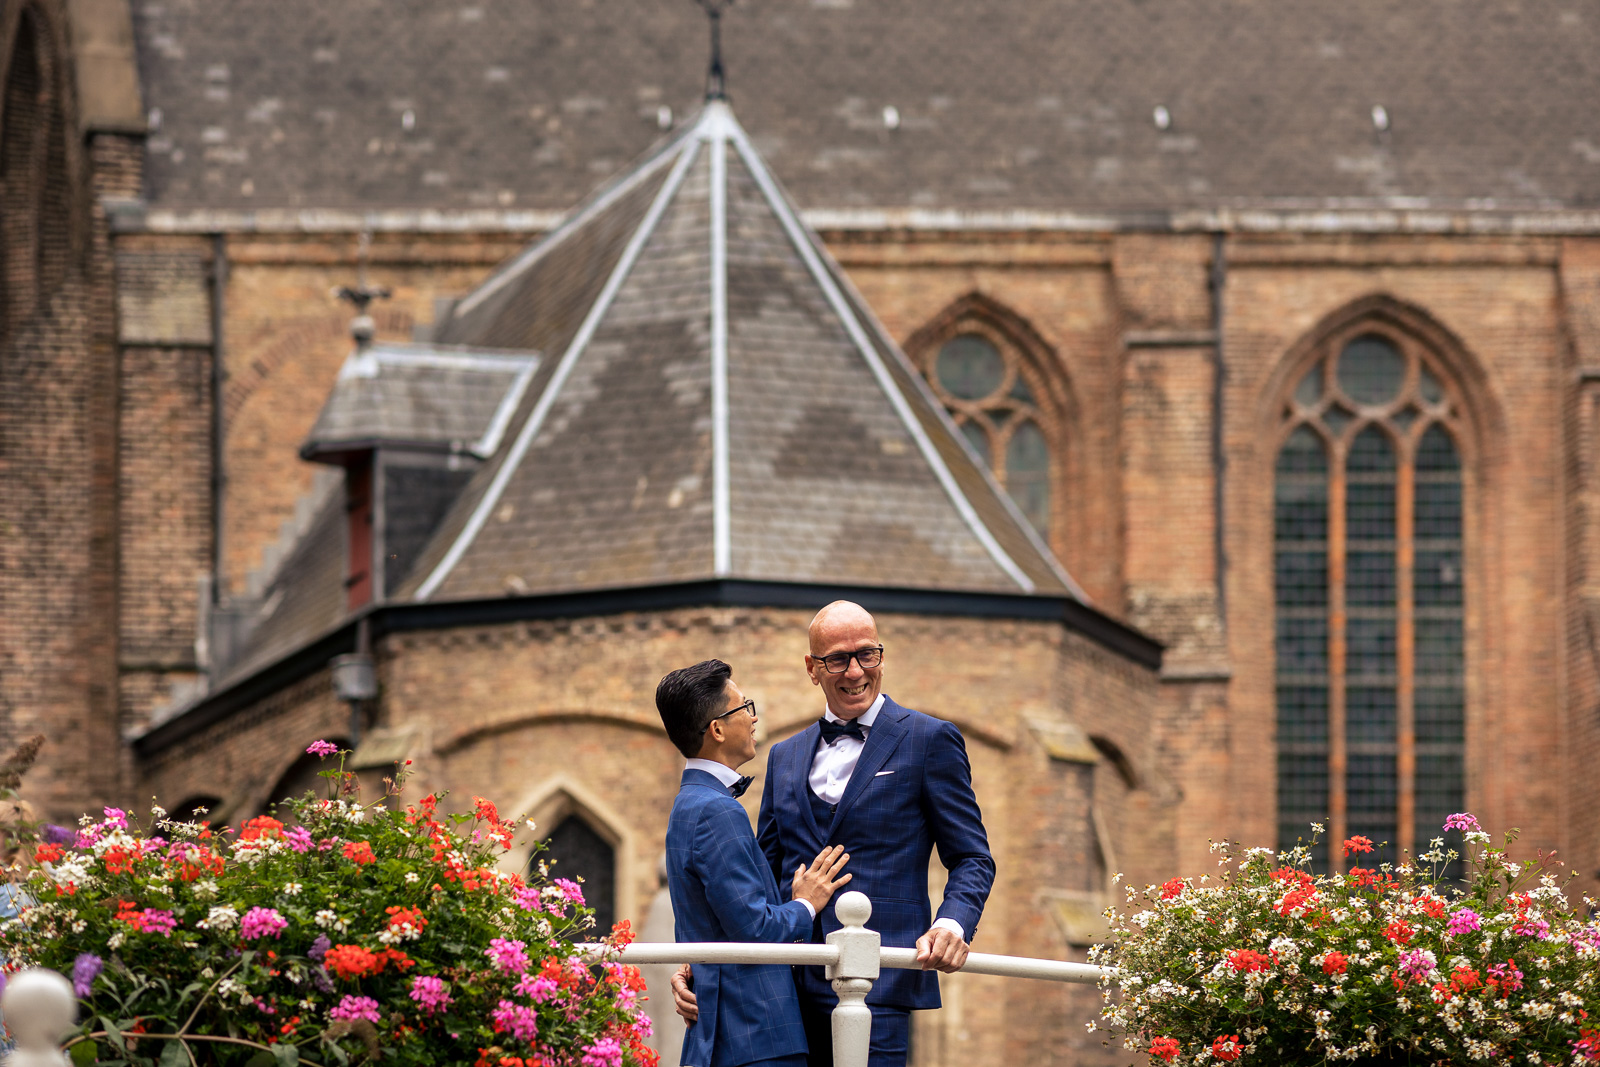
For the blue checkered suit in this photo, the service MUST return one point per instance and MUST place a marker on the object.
(911, 792)
(723, 890)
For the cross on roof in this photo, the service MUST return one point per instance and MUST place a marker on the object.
(716, 82)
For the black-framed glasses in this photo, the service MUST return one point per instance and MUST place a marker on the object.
(839, 662)
(748, 705)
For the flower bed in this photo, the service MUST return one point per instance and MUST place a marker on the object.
(342, 933)
(1269, 964)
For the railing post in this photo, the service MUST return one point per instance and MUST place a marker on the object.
(39, 1008)
(852, 980)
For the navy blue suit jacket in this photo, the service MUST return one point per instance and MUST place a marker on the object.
(723, 890)
(911, 792)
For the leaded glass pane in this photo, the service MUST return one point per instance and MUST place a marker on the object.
(1437, 579)
(1302, 800)
(1372, 798)
(1441, 715)
(1302, 579)
(577, 852)
(1369, 579)
(970, 367)
(1028, 474)
(1370, 647)
(1337, 419)
(1302, 715)
(1371, 370)
(1303, 453)
(1438, 508)
(1371, 453)
(1439, 647)
(978, 437)
(1437, 452)
(1020, 391)
(1370, 714)
(1309, 391)
(1429, 386)
(1302, 645)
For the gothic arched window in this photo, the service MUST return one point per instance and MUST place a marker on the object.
(1369, 600)
(576, 851)
(990, 392)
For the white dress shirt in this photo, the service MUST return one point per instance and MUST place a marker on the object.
(833, 765)
(728, 777)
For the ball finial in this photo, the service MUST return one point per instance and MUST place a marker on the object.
(853, 909)
(39, 1007)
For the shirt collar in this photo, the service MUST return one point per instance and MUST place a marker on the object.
(865, 719)
(720, 771)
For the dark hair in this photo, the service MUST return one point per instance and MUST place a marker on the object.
(689, 698)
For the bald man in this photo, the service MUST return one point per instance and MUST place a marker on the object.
(890, 785)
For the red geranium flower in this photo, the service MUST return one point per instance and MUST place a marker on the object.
(1357, 844)
(1172, 888)
(1227, 1048)
(1165, 1048)
(1335, 963)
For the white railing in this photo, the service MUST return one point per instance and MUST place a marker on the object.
(39, 1004)
(854, 957)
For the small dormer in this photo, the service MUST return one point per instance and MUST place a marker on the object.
(410, 424)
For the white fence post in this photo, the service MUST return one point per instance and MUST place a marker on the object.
(852, 980)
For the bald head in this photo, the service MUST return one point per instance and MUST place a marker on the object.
(843, 627)
(840, 616)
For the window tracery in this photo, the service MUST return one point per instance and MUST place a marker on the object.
(991, 393)
(1369, 599)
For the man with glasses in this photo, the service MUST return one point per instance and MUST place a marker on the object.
(890, 785)
(721, 885)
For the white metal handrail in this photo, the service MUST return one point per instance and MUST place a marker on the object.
(854, 957)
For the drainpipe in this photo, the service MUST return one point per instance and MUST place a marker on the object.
(1219, 459)
(219, 287)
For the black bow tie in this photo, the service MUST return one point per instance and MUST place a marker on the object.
(832, 731)
(737, 788)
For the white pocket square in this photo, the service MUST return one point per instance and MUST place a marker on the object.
(880, 774)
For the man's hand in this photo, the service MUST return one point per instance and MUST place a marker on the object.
(683, 1001)
(941, 949)
(816, 884)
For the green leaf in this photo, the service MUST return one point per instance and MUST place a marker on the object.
(114, 1034)
(288, 1055)
(264, 1058)
(84, 1053)
(338, 1053)
(173, 1055)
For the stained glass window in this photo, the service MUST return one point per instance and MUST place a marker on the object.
(983, 383)
(1368, 577)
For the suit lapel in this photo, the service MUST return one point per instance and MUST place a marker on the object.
(803, 746)
(884, 738)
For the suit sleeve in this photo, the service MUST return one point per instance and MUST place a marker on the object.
(767, 823)
(731, 864)
(958, 833)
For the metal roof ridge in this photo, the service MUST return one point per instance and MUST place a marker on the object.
(717, 117)
(802, 240)
(689, 150)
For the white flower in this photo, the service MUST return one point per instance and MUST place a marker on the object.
(208, 973)
(324, 918)
(79, 926)
(292, 889)
(412, 878)
(115, 940)
(355, 814)
(221, 917)
(206, 889)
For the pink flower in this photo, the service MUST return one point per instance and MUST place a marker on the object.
(507, 956)
(262, 922)
(353, 1008)
(570, 890)
(1418, 963)
(116, 819)
(1463, 822)
(1465, 921)
(536, 987)
(527, 899)
(1535, 928)
(520, 1021)
(607, 1052)
(299, 838)
(430, 993)
(321, 749)
(159, 922)
(326, 843)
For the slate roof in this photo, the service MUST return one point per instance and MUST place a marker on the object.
(424, 397)
(1028, 104)
(721, 405)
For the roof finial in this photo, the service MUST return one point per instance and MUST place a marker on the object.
(716, 82)
(362, 328)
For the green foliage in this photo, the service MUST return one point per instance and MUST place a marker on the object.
(1267, 964)
(339, 934)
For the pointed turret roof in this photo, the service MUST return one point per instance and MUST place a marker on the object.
(716, 402)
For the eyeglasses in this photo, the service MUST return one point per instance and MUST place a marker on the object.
(748, 705)
(839, 662)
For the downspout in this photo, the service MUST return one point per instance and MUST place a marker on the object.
(1219, 459)
(219, 290)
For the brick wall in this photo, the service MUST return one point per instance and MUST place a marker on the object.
(551, 715)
